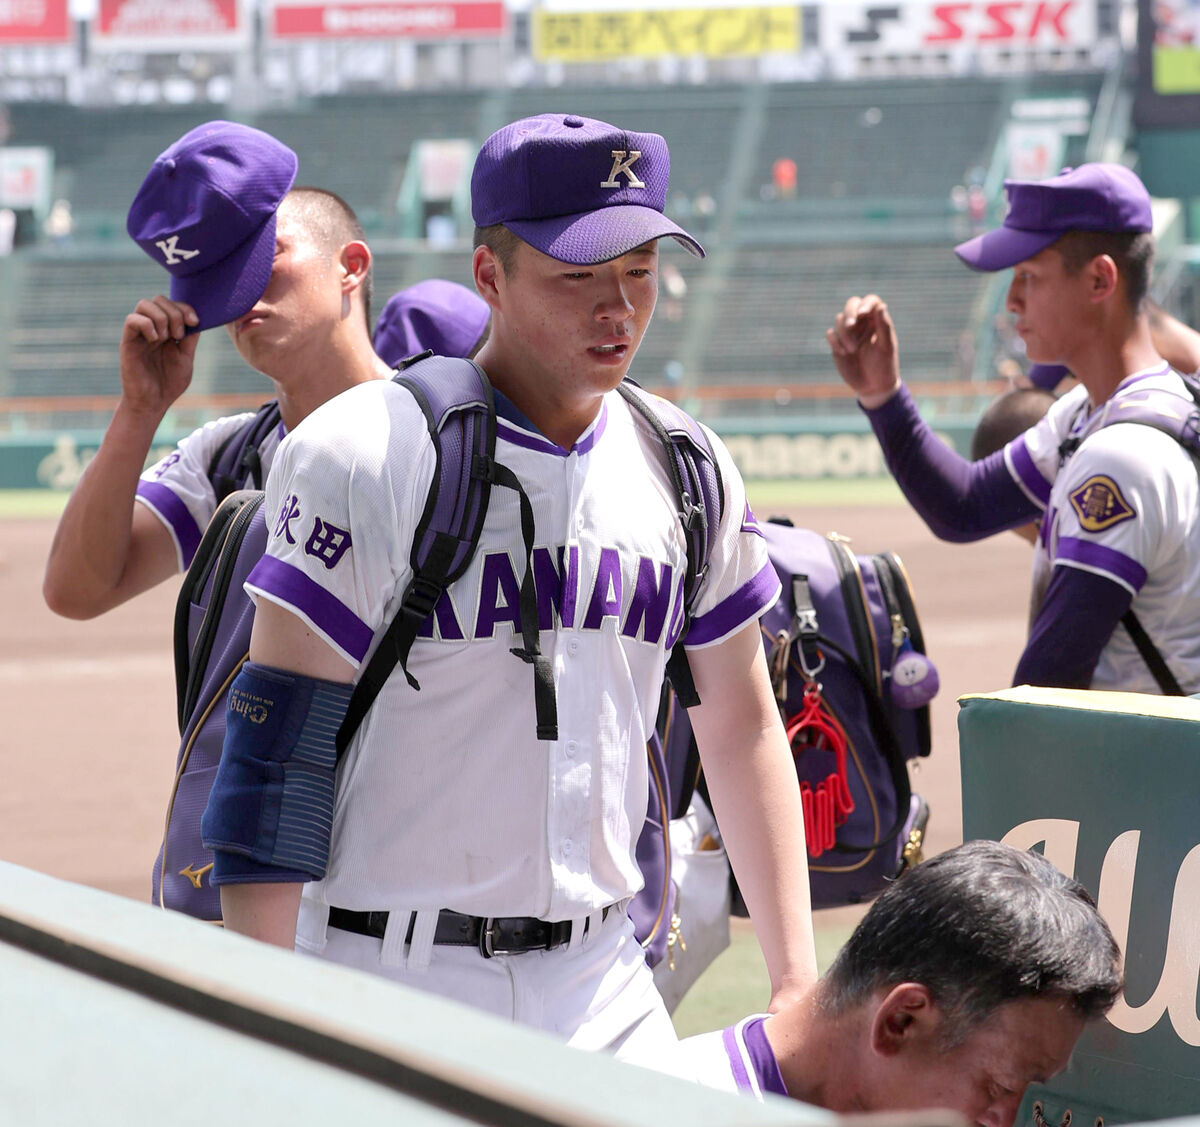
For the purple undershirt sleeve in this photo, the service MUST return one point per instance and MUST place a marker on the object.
(1077, 617)
(960, 500)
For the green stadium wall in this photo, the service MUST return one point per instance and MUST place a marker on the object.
(838, 449)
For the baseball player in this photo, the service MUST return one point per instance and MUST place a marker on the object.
(1013, 960)
(121, 534)
(472, 854)
(1117, 501)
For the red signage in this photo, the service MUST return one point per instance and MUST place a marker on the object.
(166, 17)
(438, 19)
(1010, 22)
(34, 21)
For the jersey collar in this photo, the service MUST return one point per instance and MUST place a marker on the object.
(514, 427)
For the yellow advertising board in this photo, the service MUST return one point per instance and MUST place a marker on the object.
(587, 37)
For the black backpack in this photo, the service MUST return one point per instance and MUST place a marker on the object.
(214, 616)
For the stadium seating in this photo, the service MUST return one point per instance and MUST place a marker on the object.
(875, 165)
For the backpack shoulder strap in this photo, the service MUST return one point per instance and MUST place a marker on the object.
(699, 490)
(1174, 415)
(236, 463)
(456, 399)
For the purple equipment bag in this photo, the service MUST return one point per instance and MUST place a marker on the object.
(852, 623)
(845, 623)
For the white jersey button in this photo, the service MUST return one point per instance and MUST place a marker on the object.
(567, 847)
(572, 748)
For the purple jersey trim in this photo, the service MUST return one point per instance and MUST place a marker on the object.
(746, 603)
(740, 1076)
(328, 614)
(506, 409)
(172, 510)
(1099, 558)
(762, 1057)
(1027, 473)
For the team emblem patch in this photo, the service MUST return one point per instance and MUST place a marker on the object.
(1099, 505)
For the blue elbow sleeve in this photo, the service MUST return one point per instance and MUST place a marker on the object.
(272, 799)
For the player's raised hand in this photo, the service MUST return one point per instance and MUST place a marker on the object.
(156, 354)
(865, 350)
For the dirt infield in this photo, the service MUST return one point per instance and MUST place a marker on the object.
(90, 738)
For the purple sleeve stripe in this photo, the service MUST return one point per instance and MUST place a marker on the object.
(291, 587)
(175, 513)
(736, 1065)
(746, 603)
(762, 1057)
(1027, 475)
(1096, 557)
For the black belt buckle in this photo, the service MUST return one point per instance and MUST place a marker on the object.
(487, 937)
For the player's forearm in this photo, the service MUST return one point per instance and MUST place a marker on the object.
(266, 912)
(91, 546)
(756, 800)
(960, 500)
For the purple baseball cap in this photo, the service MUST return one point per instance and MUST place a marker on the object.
(577, 189)
(442, 316)
(1047, 376)
(206, 212)
(1092, 197)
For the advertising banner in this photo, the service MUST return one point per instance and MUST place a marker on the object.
(921, 26)
(1175, 47)
(34, 21)
(26, 173)
(345, 19)
(169, 25)
(573, 36)
(1104, 785)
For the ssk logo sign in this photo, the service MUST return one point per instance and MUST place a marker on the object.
(921, 27)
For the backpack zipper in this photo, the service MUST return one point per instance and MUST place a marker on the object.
(891, 565)
(854, 596)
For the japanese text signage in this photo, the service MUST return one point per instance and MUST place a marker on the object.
(711, 32)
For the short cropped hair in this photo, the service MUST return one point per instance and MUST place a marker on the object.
(502, 243)
(979, 926)
(1007, 416)
(332, 223)
(1132, 251)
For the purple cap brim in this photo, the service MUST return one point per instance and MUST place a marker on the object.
(230, 288)
(1004, 247)
(591, 237)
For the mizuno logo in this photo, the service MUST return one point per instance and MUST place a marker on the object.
(196, 876)
(171, 252)
(623, 163)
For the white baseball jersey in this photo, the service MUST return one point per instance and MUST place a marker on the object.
(1125, 506)
(736, 1059)
(177, 489)
(446, 798)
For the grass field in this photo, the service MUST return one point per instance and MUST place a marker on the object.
(765, 496)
